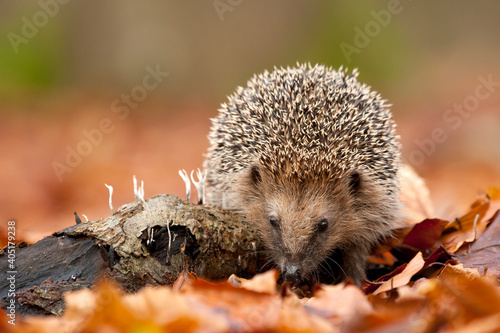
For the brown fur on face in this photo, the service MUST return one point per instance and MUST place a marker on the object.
(357, 210)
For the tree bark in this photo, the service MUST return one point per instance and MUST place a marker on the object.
(207, 241)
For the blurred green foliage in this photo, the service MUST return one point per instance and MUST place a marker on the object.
(385, 57)
(38, 63)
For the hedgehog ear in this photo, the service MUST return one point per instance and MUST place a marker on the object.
(255, 175)
(355, 182)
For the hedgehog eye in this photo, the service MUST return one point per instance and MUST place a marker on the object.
(274, 222)
(323, 225)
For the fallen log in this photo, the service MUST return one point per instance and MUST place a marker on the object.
(207, 241)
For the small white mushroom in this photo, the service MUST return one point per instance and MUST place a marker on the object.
(200, 184)
(184, 175)
(110, 188)
(138, 191)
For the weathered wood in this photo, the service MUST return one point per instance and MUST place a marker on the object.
(207, 241)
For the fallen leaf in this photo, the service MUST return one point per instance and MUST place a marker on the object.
(484, 325)
(425, 234)
(457, 298)
(385, 258)
(467, 228)
(244, 309)
(413, 267)
(466, 222)
(494, 193)
(264, 283)
(461, 270)
(183, 279)
(477, 296)
(491, 237)
(160, 307)
(484, 253)
(389, 316)
(340, 304)
(438, 256)
(297, 319)
(108, 309)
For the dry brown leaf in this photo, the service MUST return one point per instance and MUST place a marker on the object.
(468, 227)
(390, 316)
(166, 309)
(425, 234)
(244, 309)
(402, 279)
(183, 279)
(494, 193)
(107, 309)
(484, 253)
(476, 296)
(466, 222)
(490, 324)
(248, 310)
(461, 270)
(486, 260)
(407, 293)
(458, 298)
(341, 304)
(297, 319)
(263, 283)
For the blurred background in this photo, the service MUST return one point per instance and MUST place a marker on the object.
(94, 92)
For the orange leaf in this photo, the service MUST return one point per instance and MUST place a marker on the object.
(467, 228)
(183, 279)
(340, 304)
(402, 279)
(466, 222)
(494, 193)
(263, 283)
(385, 258)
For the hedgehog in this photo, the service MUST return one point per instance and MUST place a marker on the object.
(310, 157)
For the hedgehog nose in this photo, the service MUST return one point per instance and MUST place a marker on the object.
(291, 273)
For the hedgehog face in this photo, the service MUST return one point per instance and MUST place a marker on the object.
(303, 222)
(299, 231)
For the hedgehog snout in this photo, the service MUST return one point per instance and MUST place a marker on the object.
(292, 273)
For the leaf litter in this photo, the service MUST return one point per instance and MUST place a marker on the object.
(443, 278)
